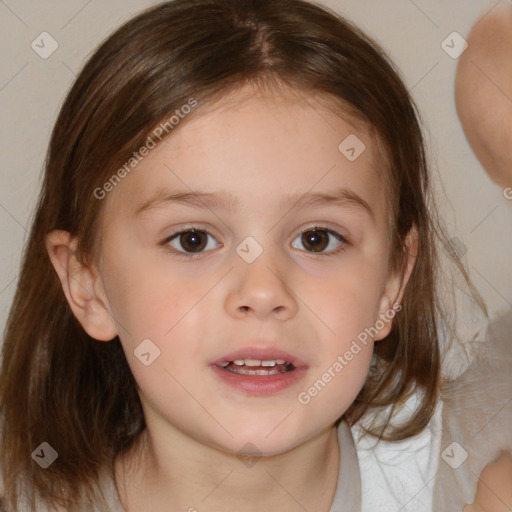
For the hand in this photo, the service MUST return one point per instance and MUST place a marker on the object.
(494, 491)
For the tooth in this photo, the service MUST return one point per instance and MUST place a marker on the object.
(244, 371)
(268, 363)
(224, 364)
(252, 362)
(280, 361)
(239, 362)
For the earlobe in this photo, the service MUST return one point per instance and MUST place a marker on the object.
(82, 287)
(396, 283)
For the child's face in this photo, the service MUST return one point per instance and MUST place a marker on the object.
(218, 305)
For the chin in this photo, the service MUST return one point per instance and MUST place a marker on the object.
(258, 439)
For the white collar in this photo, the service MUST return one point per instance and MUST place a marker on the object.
(348, 490)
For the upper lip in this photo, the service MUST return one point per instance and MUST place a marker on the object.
(261, 354)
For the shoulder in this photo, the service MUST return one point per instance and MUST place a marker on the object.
(399, 472)
(476, 418)
(480, 397)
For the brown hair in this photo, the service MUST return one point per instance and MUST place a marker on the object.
(59, 385)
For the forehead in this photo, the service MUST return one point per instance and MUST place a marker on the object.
(258, 145)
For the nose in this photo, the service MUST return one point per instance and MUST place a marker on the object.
(260, 290)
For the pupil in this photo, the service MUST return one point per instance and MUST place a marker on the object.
(316, 240)
(193, 241)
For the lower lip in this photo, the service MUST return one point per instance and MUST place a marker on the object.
(259, 384)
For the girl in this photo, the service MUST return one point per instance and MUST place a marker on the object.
(231, 269)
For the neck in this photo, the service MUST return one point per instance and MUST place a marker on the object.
(181, 474)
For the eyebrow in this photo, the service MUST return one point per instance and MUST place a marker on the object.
(342, 197)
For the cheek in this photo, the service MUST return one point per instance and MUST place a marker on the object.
(346, 303)
(146, 298)
(335, 384)
(153, 302)
(346, 300)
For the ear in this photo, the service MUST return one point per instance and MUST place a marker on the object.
(82, 286)
(390, 302)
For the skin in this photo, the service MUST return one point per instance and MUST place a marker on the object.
(483, 93)
(494, 491)
(260, 148)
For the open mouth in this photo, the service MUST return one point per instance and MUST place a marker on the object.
(257, 367)
(259, 371)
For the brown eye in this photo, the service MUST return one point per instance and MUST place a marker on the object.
(315, 241)
(318, 240)
(190, 241)
(193, 241)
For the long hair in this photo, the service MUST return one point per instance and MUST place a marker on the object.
(60, 386)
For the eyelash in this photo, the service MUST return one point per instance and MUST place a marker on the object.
(191, 255)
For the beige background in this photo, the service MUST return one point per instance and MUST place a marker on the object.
(32, 89)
